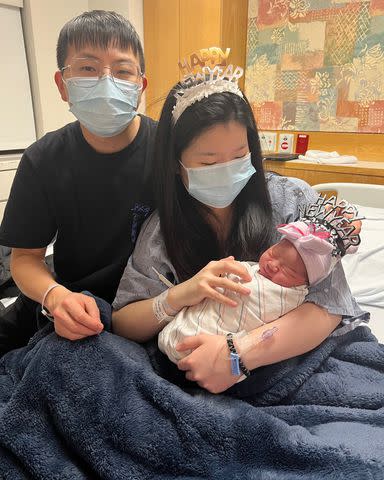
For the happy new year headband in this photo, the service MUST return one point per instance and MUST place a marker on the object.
(206, 73)
(336, 218)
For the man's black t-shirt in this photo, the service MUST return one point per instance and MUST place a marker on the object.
(93, 203)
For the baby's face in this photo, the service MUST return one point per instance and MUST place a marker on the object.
(283, 265)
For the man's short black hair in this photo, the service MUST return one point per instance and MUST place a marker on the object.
(99, 28)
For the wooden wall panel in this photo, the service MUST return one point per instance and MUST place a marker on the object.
(200, 24)
(234, 32)
(161, 44)
(173, 29)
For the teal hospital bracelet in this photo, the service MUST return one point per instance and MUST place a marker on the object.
(237, 366)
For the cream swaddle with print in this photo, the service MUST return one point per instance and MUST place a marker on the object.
(266, 302)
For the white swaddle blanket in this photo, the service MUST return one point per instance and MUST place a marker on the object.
(319, 156)
(266, 302)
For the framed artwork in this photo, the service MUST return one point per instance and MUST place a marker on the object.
(316, 65)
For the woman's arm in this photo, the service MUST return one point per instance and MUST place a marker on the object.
(137, 320)
(299, 331)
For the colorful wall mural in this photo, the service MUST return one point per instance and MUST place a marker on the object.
(316, 65)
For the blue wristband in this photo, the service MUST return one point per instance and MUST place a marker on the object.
(235, 364)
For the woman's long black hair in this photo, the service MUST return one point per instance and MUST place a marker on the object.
(190, 240)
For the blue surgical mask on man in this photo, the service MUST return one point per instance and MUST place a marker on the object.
(218, 185)
(106, 108)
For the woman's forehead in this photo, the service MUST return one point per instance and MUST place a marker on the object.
(222, 137)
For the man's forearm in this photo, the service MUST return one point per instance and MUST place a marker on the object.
(31, 274)
(298, 332)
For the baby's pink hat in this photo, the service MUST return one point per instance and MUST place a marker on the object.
(314, 248)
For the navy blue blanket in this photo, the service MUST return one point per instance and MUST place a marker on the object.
(97, 409)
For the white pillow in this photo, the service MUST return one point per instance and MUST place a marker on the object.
(365, 269)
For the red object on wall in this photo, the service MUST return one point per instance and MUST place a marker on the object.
(302, 143)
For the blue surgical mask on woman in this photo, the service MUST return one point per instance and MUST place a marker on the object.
(104, 109)
(218, 185)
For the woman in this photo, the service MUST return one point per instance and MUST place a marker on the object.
(214, 201)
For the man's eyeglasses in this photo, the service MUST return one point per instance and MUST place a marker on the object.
(93, 70)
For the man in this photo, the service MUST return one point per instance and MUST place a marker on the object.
(86, 184)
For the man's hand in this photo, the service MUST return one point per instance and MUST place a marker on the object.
(76, 315)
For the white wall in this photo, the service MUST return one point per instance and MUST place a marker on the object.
(17, 128)
(42, 20)
(131, 9)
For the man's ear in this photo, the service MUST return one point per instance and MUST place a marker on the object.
(145, 83)
(61, 86)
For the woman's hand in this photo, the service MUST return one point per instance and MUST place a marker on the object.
(205, 284)
(209, 363)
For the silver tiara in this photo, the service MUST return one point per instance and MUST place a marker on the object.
(335, 217)
(207, 82)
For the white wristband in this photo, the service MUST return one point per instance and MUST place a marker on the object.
(161, 308)
(44, 311)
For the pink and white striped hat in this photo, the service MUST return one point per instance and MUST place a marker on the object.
(312, 244)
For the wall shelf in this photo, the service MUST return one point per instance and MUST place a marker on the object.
(313, 173)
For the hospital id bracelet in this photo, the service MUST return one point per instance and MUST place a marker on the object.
(44, 311)
(161, 308)
(237, 366)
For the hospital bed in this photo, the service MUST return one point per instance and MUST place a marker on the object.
(365, 269)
